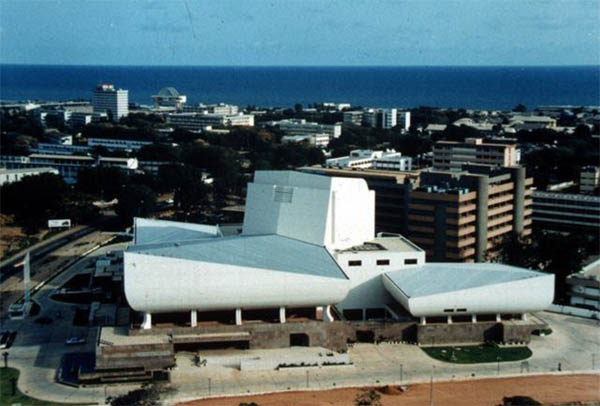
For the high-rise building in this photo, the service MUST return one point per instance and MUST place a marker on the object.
(454, 216)
(114, 102)
(403, 120)
(451, 155)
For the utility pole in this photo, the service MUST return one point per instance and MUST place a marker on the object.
(498, 359)
(307, 379)
(431, 386)
(209, 387)
(400, 373)
(5, 355)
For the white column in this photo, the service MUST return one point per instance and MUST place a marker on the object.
(423, 320)
(473, 318)
(238, 316)
(498, 318)
(147, 323)
(327, 313)
(282, 314)
(449, 319)
(194, 318)
(523, 316)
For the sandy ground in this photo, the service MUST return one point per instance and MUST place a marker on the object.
(556, 389)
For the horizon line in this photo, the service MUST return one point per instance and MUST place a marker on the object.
(302, 66)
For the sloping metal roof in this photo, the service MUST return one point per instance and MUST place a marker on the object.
(272, 252)
(150, 231)
(433, 279)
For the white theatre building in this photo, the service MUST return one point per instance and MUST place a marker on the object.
(308, 241)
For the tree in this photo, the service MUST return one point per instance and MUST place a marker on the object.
(298, 108)
(520, 108)
(149, 395)
(190, 189)
(135, 201)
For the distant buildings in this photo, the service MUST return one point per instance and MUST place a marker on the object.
(454, 216)
(169, 97)
(379, 118)
(113, 102)
(566, 211)
(523, 122)
(221, 108)
(113, 144)
(15, 175)
(589, 179)
(451, 155)
(366, 158)
(316, 140)
(584, 287)
(303, 127)
(199, 121)
(68, 166)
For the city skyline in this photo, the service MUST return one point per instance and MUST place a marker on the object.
(310, 33)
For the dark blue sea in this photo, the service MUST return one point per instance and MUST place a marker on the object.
(469, 87)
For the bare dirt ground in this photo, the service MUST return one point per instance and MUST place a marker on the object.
(548, 389)
(13, 239)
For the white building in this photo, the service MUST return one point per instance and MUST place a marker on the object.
(113, 144)
(353, 117)
(220, 108)
(584, 287)
(302, 127)
(589, 179)
(114, 102)
(403, 120)
(169, 97)
(199, 121)
(316, 140)
(308, 241)
(366, 158)
(15, 175)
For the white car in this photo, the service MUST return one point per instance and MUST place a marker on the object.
(75, 340)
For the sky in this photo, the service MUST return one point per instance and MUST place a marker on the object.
(300, 32)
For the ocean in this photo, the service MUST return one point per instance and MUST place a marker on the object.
(468, 87)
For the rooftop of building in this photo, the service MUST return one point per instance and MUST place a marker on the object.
(385, 242)
(150, 231)
(168, 92)
(4, 171)
(590, 271)
(269, 252)
(433, 279)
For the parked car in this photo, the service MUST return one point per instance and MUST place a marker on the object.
(75, 340)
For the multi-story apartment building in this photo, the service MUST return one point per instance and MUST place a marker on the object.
(199, 121)
(403, 120)
(565, 211)
(353, 117)
(317, 140)
(303, 127)
(453, 216)
(114, 102)
(589, 179)
(380, 118)
(451, 155)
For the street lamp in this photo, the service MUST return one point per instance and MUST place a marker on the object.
(431, 386)
(5, 355)
(498, 359)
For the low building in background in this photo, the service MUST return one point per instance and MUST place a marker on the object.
(451, 155)
(589, 179)
(316, 140)
(15, 175)
(169, 97)
(584, 286)
(303, 127)
(114, 144)
(366, 158)
(200, 121)
(566, 211)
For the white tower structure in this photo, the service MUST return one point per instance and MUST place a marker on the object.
(107, 99)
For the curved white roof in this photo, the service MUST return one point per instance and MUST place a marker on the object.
(169, 92)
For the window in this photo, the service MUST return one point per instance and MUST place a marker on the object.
(354, 263)
(448, 310)
(461, 310)
(410, 261)
(383, 262)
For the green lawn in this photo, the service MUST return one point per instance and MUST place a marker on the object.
(476, 354)
(6, 374)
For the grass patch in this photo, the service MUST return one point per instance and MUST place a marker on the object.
(6, 375)
(475, 354)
